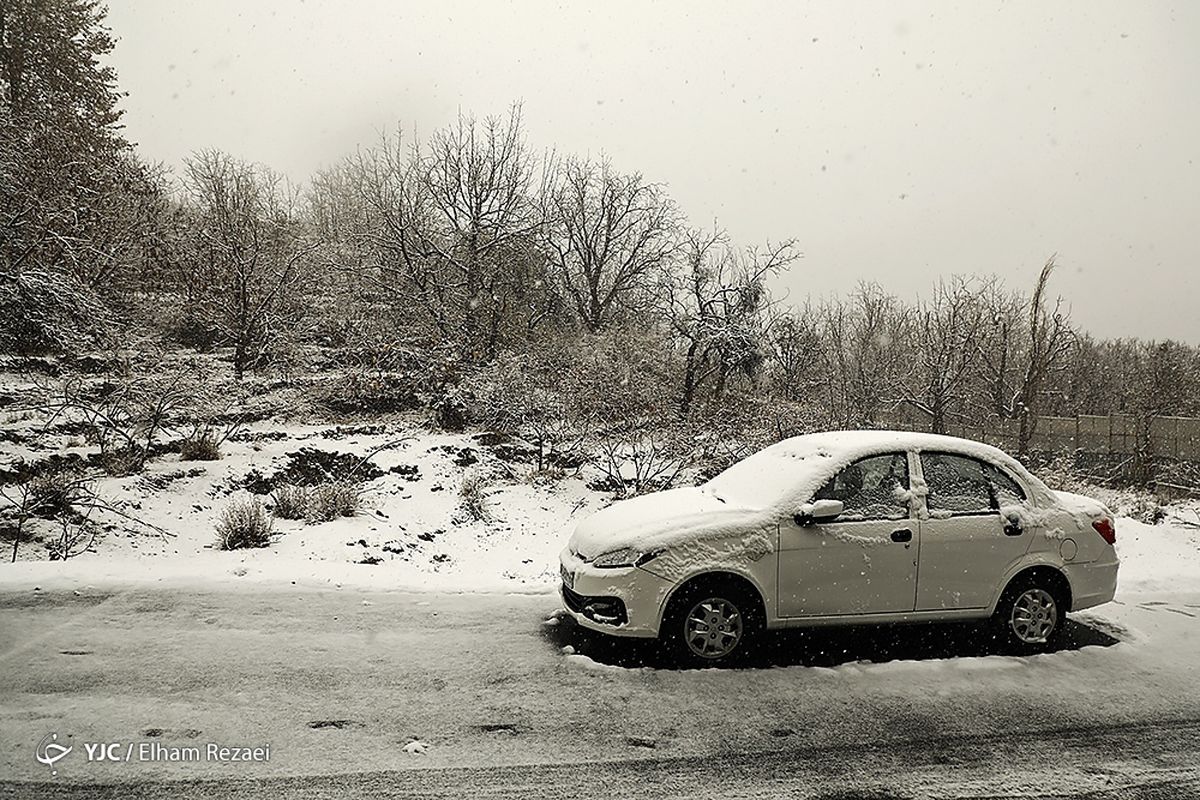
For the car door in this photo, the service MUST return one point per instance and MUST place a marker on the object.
(966, 545)
(862, 562)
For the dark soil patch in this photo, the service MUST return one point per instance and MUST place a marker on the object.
(31, 365)
(339, 724)
(258, 436)
(54, 464)
(463, 456)
(342, 431)
(492, 438)
(94, 365)
(14, 437)
(409, 471)
(156, 483)
(641, 741)
(311, 467)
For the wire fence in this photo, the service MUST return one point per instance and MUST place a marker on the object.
(1123, 447)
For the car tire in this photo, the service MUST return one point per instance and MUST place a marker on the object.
(712, 624)
(1030, 615)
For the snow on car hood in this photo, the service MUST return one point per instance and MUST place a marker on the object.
(662, 519)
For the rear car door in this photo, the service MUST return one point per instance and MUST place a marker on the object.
(966, 544)
(862, 562)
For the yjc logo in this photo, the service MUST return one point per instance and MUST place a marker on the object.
(50, 752)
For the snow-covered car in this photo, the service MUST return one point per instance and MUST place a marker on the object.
(846, 527)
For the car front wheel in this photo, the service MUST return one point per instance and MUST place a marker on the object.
(711, 625)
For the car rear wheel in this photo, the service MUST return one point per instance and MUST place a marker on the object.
(707, 625)
(1030, 615)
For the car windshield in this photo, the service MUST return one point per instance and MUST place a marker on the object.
(761, 481)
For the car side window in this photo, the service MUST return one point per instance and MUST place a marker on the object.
(871, 488)
(957, 485)
(1007, 491)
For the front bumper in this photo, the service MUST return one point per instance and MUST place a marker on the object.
(626, 601)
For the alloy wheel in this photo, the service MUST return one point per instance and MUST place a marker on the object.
(1034, 616)
(713, 628)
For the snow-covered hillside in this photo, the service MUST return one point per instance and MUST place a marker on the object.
(413, 529)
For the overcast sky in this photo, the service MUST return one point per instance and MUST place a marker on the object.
(897, 142)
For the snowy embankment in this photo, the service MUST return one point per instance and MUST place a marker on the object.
(413, 529)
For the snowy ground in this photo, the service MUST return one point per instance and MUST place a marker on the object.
(412, 522)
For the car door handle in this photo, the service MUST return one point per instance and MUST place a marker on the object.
(1012, 527)
(902, 535)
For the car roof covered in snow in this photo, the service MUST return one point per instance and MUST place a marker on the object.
(797, 466)
(868, 442)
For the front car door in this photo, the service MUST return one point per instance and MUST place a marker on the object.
(966, 543)
(865, 560)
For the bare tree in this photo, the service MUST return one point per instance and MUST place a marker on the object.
(715, 306)
(452, 227)
(1050, 341)
(864, 352)
(998, 346)
(946, 332)
(607, 238)
(246, 253)
(797, 349)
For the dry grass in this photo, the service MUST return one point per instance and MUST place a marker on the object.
(245, 523)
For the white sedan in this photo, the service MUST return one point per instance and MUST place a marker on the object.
(847, 527)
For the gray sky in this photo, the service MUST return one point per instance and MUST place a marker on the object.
(897, 142)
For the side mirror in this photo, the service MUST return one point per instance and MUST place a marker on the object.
(818, 511)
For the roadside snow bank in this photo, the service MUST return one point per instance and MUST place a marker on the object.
(1160, 558)
(412, 531)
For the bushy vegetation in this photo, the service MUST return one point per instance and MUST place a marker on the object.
(291, 502)
(322, 502)
(203, 446)
(473, 496)
(245, 523)
(328, 501)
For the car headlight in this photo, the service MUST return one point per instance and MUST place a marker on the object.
(625, 557)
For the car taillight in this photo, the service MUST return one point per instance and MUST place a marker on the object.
(1104, 526)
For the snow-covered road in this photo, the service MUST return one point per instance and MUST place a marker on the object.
(341, 682)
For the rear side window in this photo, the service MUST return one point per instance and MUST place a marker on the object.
(872, 488)
(962, 485)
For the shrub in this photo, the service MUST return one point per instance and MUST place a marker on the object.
(328, 501)
(124, 461)
(291, 502)
(245, 523)
(472, 493)
(54, 492)
(192, 330)
(201, 447)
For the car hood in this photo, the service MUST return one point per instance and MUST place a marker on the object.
(662, 519)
